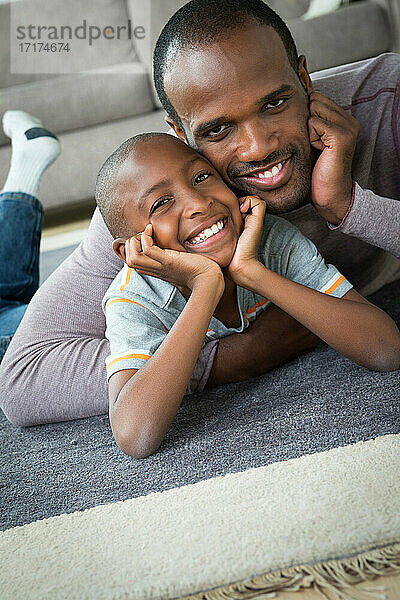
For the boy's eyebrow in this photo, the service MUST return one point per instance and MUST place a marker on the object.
(153, 188)
(202, 127)
(164, 183)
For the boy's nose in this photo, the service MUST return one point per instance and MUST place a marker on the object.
(197, 205)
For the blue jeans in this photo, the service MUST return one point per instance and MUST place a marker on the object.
(21, 217)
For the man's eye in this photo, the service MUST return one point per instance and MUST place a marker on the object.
(215, 131)
(201, 177)
(158, 204)
(275, 103)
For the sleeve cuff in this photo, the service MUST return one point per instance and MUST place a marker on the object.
(342, 222)
(202, 368)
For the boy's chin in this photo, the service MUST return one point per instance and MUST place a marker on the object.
(222, 261)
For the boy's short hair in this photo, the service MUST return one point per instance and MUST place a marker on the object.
(111, 210)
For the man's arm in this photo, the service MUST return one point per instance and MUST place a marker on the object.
(373, 219)
(273, 339)
(337, 198)
(54, 369)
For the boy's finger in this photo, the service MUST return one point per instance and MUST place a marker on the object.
(151, 250)
(257, 207)
(133, 245)
(245, 205)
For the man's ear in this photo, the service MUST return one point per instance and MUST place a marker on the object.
(119, 248)
(178, 130)
(304, 75)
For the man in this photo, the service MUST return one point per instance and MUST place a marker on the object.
(229, 77)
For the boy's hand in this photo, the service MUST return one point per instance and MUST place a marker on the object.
(182, 269)
(246, 254)
(334, 132)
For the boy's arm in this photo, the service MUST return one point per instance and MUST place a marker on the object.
(144, 402)
(353, 326)
(350, 324)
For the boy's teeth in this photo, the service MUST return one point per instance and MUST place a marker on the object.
(274, 171)
(206, 233)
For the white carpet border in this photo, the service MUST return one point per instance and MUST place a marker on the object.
(212, 533)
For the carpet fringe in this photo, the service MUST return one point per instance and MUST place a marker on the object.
(336, 576)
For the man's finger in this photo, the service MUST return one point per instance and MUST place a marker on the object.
(327, 135)
(329, 111)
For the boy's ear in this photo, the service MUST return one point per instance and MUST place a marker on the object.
(119, 248)
(304, 75)
(178, 130)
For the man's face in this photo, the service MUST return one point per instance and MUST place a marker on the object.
(244, 107)
(189, 206)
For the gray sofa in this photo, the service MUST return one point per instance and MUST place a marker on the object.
(105, 93)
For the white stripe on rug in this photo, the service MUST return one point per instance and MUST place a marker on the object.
(212, 533)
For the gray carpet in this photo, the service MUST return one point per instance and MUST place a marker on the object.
(315, 403)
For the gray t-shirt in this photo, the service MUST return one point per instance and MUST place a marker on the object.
(140, 310)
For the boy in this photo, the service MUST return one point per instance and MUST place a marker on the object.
(201, 267)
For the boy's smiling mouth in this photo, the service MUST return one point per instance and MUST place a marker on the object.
(210, 233)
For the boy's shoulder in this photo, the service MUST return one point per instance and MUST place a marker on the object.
(129, 283)
(277, 233)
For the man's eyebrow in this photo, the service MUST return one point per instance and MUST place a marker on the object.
(209, 125)
(221, 120)
(281, 90)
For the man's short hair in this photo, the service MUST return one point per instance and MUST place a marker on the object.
(106, 195)
(200, 23)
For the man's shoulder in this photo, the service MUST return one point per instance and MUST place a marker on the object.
(359, 80)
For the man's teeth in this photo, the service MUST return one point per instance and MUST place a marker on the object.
(206, 233)
(265, 174)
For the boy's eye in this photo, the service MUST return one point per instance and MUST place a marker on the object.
(158, 204)
(201, 177)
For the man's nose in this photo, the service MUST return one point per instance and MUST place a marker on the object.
(255, 143)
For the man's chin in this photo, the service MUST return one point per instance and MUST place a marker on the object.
(281, 200)
(277, 207)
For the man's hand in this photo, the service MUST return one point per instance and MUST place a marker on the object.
(246, 253)
(334, 133)
(182, 269)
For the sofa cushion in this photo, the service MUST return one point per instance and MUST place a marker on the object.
(289, 9)
(96, 32)
(352, 33)
(6, 77)
(82, 99)
(71, 180)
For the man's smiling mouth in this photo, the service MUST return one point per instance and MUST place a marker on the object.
(209, 232)
(271, 178)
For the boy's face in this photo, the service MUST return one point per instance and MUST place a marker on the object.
(175, 189)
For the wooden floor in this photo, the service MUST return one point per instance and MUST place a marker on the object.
(391, 583)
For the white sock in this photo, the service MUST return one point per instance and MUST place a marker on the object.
(33, 151)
